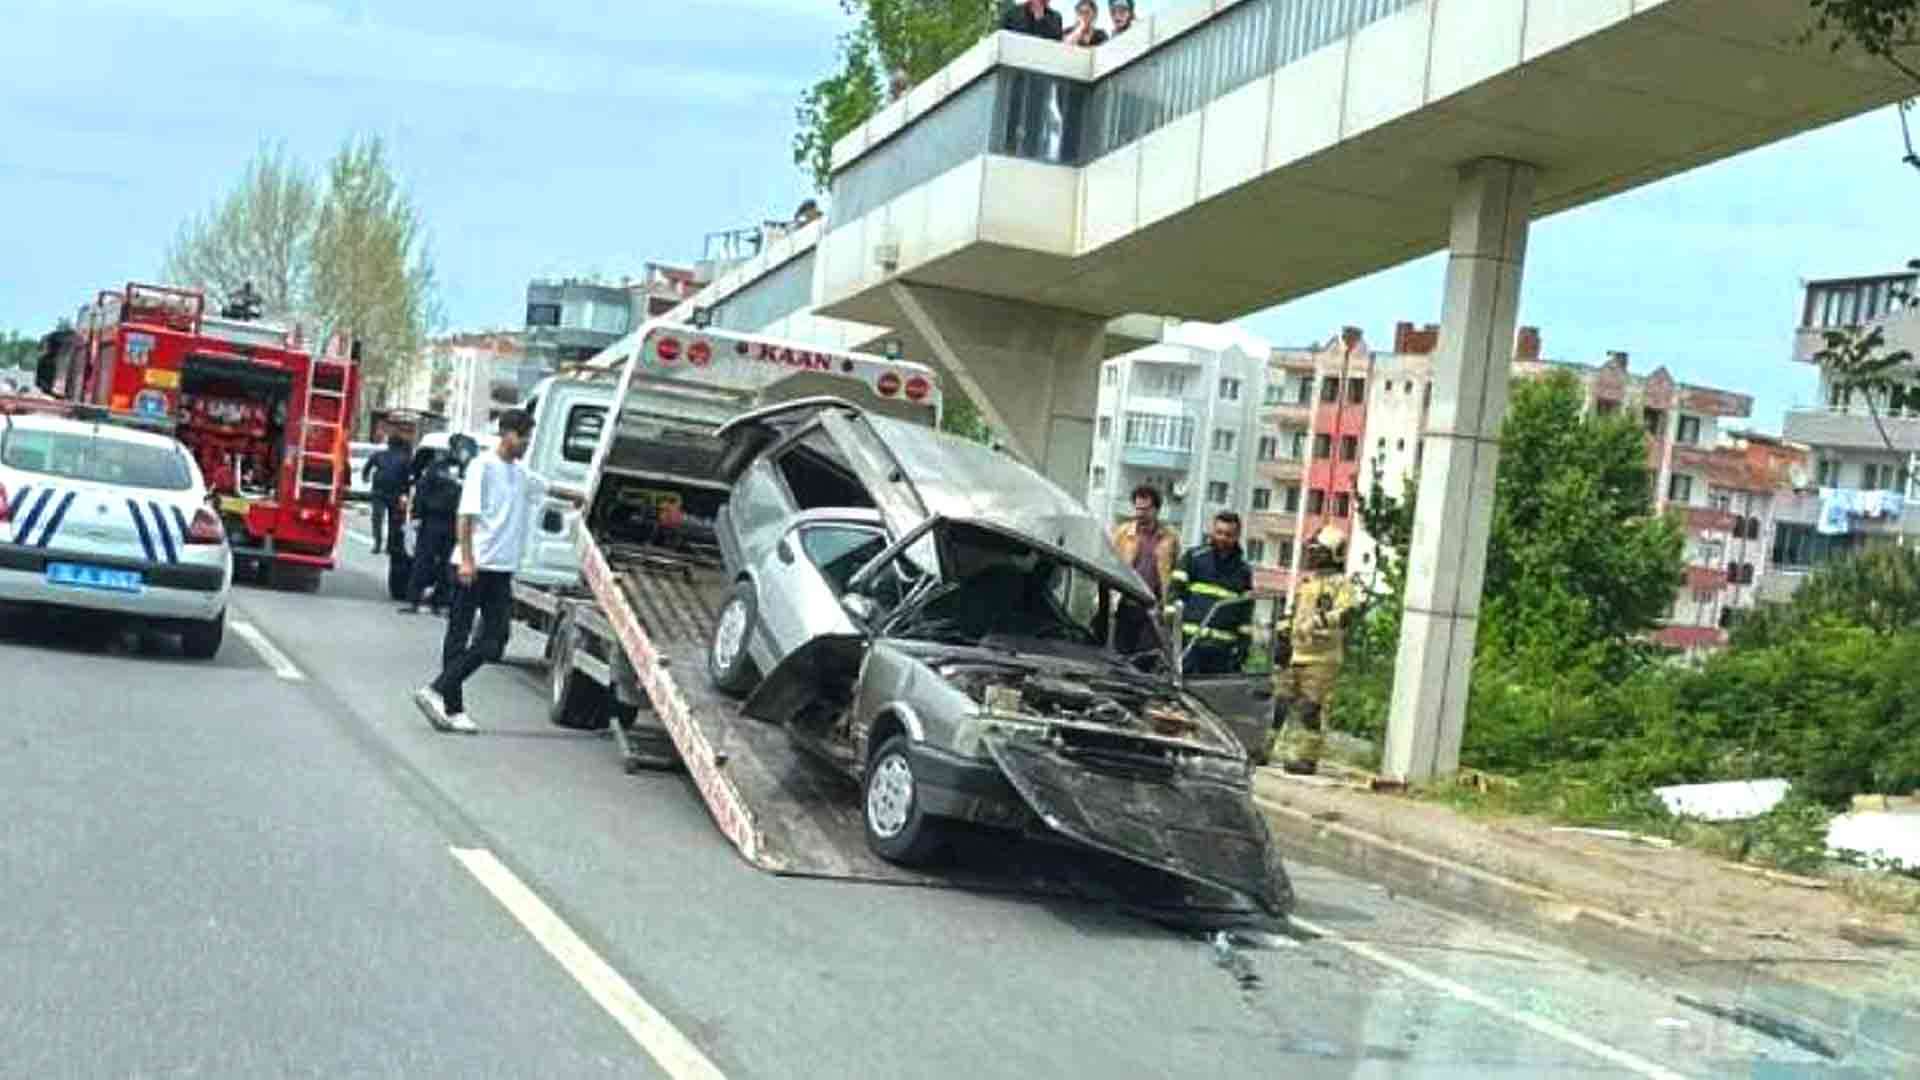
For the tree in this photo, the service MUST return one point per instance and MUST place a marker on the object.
(261, 232)
(1856, 359)
(1877, 590)
(372, 272)
(18, 351)
(1578, 565)
(960, 416)
(914, 37)
(346, 252)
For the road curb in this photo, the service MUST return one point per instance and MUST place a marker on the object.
(1647, 950)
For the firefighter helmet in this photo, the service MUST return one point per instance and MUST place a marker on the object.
(1328, 548)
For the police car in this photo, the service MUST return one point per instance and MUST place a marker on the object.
(110, 518)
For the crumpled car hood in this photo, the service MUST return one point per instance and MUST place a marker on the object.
(1193, 826)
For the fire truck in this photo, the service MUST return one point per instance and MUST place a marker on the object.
(265, 415)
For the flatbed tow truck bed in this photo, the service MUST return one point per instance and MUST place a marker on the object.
(788, 814)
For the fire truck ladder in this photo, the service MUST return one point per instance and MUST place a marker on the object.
(330, 381)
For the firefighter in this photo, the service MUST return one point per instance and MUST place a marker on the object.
(1213, 574)
(1323, 605)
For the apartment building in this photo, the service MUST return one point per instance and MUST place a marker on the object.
(1283, 444)
(571, 319)
(1182, 416)
(1729, 486)
(1860, 443)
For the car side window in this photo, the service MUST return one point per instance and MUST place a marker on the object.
(819, 477)
(841, 550)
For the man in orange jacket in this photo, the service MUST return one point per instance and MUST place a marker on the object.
(1149, 547)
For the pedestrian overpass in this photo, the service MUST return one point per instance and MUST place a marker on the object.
(1230, 156)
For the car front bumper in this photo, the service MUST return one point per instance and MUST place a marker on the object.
(185, 590)
(971, 789)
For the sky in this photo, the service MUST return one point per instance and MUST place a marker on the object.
(590, 137)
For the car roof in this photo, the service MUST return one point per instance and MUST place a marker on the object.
(115, 432)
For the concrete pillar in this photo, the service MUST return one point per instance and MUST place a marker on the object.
(1034, 371)
(1448, 558)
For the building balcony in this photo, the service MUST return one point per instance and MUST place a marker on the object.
(1706, 578)
(1272, 523)
(1853, 428)
(1152, 457)
(1288, 470)
(1287, 414)
(1701, 519)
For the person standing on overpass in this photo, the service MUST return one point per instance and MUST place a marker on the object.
(498, 499)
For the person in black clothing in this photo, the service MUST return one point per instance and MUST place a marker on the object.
(1214, 575)
(1035, 18)
(390, 470)
(436, 500)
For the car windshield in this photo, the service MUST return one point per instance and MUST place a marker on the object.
(996, 586)
(96, 457)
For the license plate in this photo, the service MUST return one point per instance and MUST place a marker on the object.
(104, 579)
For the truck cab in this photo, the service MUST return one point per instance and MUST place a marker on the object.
(569, 412)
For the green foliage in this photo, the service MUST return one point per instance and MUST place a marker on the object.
(18, 351)
(960, 416)
(1876, 27)
(917, 37)
(1879, 589)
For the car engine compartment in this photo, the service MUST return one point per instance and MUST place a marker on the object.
(1092, 707)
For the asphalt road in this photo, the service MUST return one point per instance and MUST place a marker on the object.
(270, 865)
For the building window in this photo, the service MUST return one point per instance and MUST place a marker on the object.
(1303, 390)
(543, 314)
(1106, 428)
(1268, 448)
(1222, 440)
(1342, 504)
(1257, 552)
(1329, 391)
(1799, 547)
(1399, 444)
(1753, 529)
(1229, 389)
(1826, 472)
(1283, 552)
(1297, 446)
(1275, 395)
(1689, 432)
(1099, 477)
(1290, 499)
(1216, 491)
(1655, 421)
(1316, 501)
(1156, 432)
(1322, 446)
(1262, 498)
(1111, 375)
(1356, 391)
(1680, 488)
(1163, 381)
(1720, 499)
(1349, 448)
(1870, 476)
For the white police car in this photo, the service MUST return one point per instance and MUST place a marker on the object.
(109, 518)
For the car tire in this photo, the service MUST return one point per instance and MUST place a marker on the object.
(729, 662)
(201, 640)
(898, 830)
(574, 701)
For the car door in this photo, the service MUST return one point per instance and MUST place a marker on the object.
(799, 581)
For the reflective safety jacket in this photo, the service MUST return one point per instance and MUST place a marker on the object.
(1322, 606)
(1206, 578)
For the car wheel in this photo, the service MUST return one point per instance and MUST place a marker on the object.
(897, 829)
(201, 640)
(729, 664)
(574, 701)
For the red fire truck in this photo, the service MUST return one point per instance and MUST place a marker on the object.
(265, 416)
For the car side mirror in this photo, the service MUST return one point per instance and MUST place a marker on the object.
(862, 608)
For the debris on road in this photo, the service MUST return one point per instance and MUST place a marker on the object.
(1884, 837)
(1732, 800)
(1780, 876)
(1755, 1020)
(1617, 834)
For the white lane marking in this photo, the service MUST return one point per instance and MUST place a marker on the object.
(269, 652)
(1631, 1062)
(663, 1042)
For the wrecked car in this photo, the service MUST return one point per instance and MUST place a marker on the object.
(935, 620)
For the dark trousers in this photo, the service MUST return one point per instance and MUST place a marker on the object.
(463, 653)
(387, 522)
(431, 553)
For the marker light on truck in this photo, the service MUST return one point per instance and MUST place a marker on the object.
(888, 385)
(668, 350)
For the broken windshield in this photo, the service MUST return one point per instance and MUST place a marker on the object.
(993, 585)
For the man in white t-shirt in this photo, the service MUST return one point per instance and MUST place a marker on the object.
(498, 500)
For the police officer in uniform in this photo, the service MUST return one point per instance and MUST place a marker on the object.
(1323, 605)
(1210, 575)
(436, 501)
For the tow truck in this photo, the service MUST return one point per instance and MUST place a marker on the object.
(265, 415)
(627, 650)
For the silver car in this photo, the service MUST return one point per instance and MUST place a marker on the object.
(935, 619)
(113, 519)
